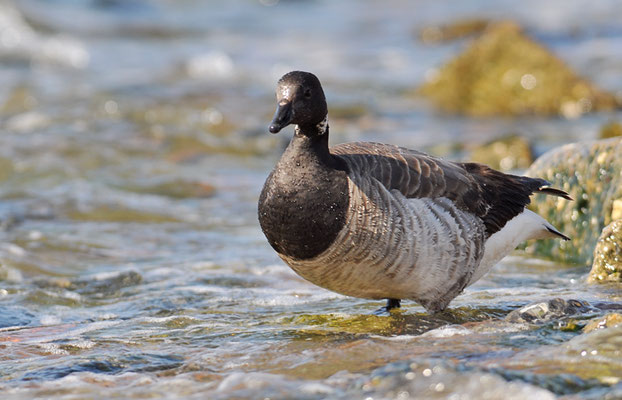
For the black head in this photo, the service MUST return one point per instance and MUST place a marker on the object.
(300, 100)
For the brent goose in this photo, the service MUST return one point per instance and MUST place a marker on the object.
(379, 221)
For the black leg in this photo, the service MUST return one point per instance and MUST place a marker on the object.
(391, 304)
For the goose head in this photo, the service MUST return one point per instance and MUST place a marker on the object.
(300, 101)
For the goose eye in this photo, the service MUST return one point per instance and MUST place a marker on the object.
(308, 93)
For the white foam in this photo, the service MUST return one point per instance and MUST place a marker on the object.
(398, 338)
(20, 41)
(448, 331)
(49, 319)
(214, 64)
(250, 380)
(52, 348)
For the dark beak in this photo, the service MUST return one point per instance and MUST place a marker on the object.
(282, 117)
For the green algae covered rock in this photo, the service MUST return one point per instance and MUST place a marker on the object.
(607, 266)
(591, 172)
(504, 72)
(505, 154)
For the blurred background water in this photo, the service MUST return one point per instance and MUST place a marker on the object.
(133, 146)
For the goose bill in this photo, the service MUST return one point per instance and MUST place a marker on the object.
(282, 117)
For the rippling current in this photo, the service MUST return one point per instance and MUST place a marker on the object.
(133, 146)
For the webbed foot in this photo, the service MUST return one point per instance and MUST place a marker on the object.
(386, 310)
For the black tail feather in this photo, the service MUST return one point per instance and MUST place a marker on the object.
(557, 233)
(555, 192)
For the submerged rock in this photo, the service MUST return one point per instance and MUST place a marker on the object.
(434, 380)
(548, 310)
(505, 154)
(591, 172)
(98, 286)
(504, 72)
(607, 266)
(586, 361)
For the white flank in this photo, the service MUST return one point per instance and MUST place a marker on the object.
(526, 225)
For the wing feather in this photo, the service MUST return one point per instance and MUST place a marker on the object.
(493, 196)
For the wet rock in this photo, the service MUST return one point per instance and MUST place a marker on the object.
(608, 321)
(591, 172)
(327, 323)
(397, 323)
(610, 129)
(548, 310)
(429, 380)
(97, 286)
(454, 30)
(607, 266)
(505, 154)
(504, 72)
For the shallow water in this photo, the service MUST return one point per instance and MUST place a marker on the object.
(133, 147)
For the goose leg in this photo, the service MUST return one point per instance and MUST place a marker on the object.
(391, 304)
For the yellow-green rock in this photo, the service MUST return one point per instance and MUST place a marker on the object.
(610, 129)
(504, 72)
(505, 154)
(607, 266)
(591, 172)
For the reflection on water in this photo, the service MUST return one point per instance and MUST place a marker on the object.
(133, 147)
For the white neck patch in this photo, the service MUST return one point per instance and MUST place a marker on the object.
(322, 127)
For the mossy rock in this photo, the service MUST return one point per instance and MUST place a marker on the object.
(607, 266)
(504, 72)
(591, 172)
(610, 129)
(505, 154)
